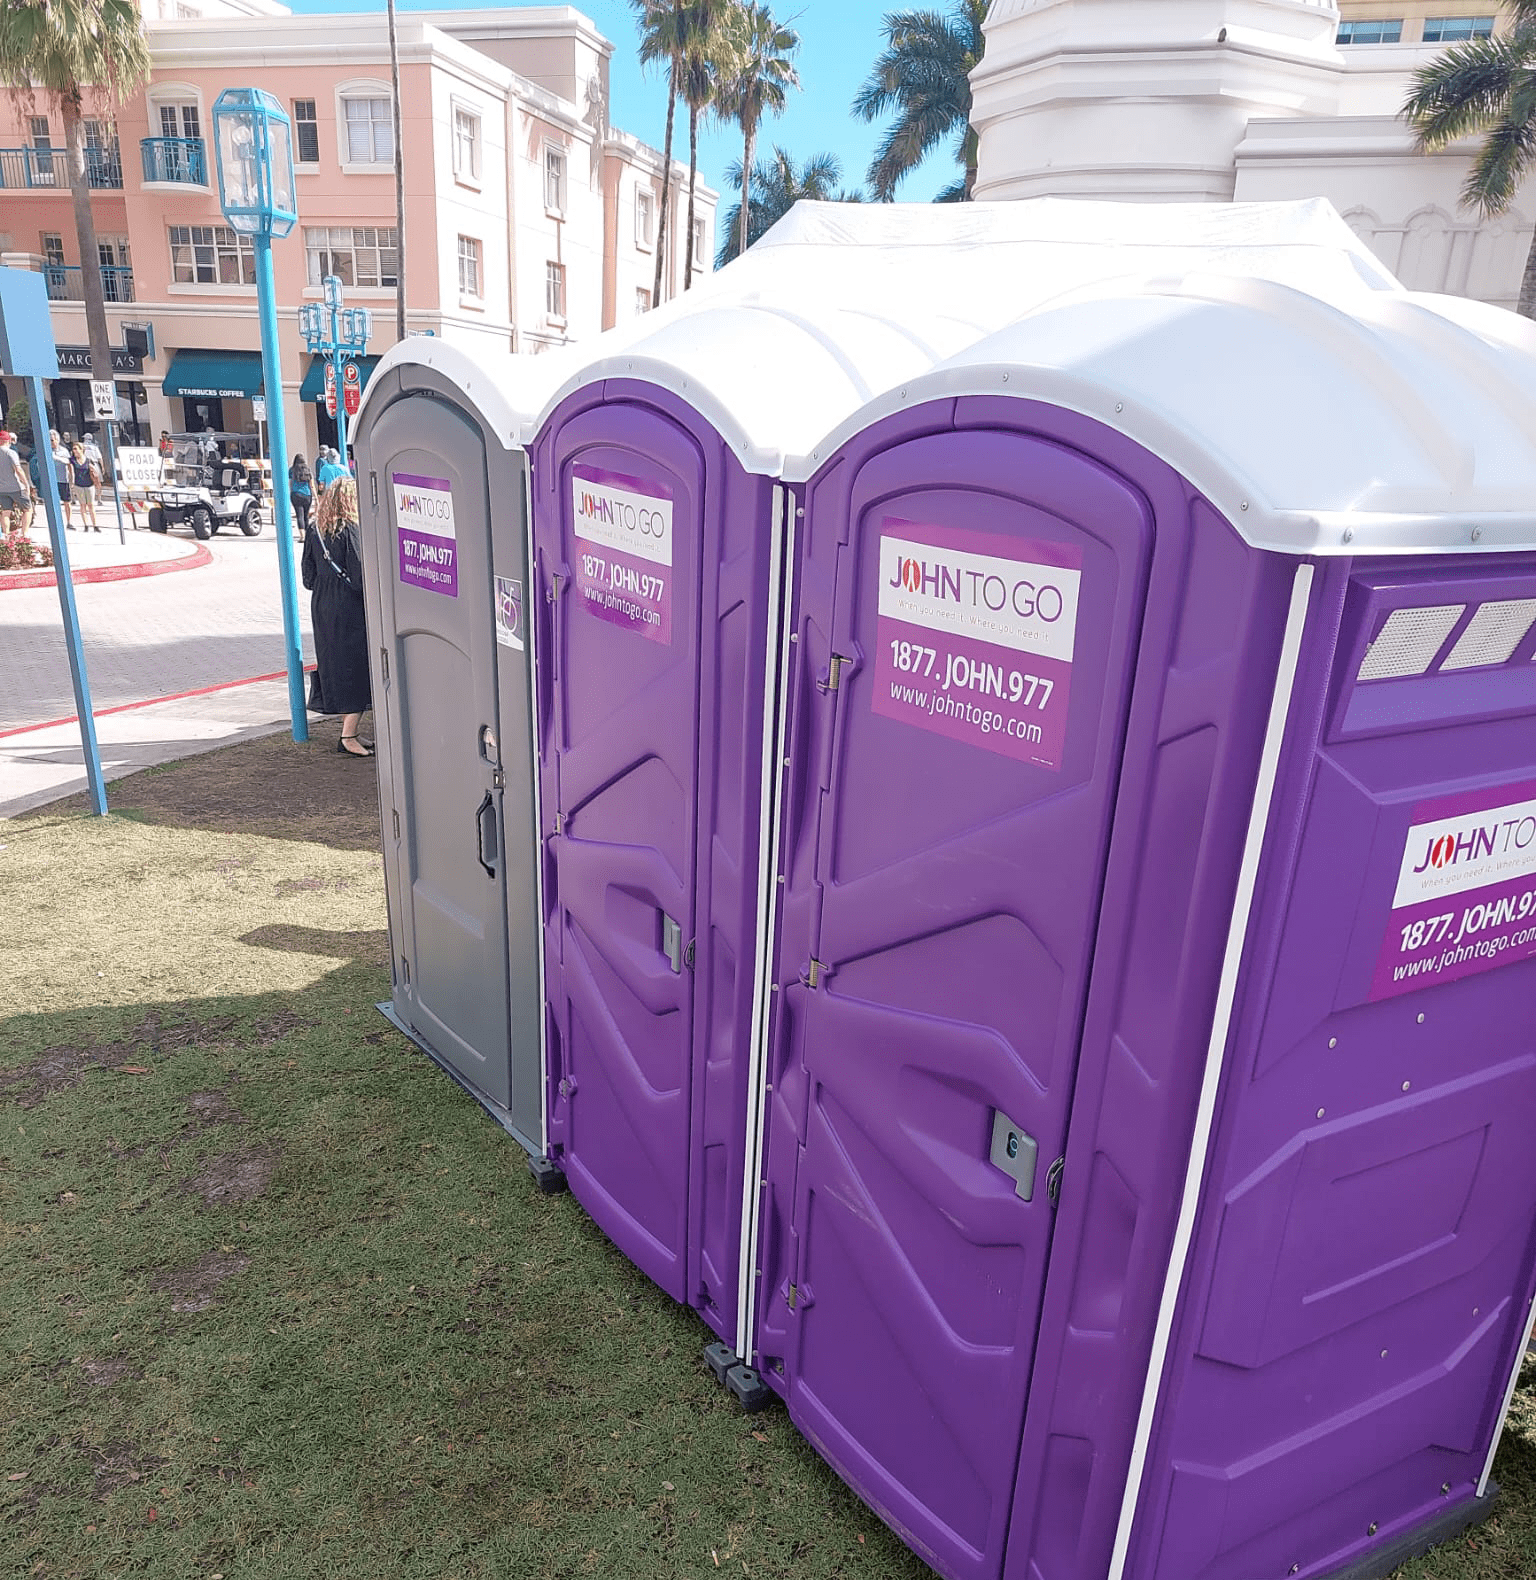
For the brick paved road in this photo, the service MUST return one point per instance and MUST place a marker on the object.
(150, 637)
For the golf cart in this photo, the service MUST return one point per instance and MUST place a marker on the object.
(214, 480)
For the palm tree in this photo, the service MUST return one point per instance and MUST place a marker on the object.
(1486, 85)
(758, 86)
(661, 44)
(677, 35)
(709, 55)
(777, 185)
(72, 51)
(924, 75)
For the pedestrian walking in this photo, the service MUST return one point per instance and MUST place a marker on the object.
(15, 487)
(333, 572)
(58, 458)
(330, 469)
(301, 492)
(83, 478)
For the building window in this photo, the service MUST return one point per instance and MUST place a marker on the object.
(211, 255)
(42, 138)
(642, 300)
(469, 266)
(370, 131)
(645, 218)
(466, 145)
(1456, 29)
(116, 268)
(306, 132)
(554, 179)
(356, 254)
(698, 243)
(1371, 32)
(53, 249)
(554, 290)
(179, 120)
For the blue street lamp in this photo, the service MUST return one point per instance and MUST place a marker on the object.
(338, 334)
(253, 143)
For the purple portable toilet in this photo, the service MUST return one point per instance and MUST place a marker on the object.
(660, 532)
(1152, 1055)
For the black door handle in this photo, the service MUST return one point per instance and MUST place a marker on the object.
(485, 834)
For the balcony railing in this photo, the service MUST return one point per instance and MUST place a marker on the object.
(65, 283)
(48, 168)
(175, 159)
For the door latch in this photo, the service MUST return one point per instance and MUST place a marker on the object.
(1016, 1153)
(672, 942)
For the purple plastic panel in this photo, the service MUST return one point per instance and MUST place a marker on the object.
(1364, 1254)
(968, 611)
(660, 546)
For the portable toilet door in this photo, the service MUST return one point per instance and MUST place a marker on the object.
(968, 607)
(443, 509)
(656, 558)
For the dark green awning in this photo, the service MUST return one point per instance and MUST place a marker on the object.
(313, 387)
(222, 373)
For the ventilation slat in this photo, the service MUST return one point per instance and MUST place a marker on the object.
(1492, 634)
(1408, 642)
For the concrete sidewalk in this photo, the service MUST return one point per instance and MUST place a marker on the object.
(98, 556)
(47, 763)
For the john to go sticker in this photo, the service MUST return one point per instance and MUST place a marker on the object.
(623, 552)
(976, 636)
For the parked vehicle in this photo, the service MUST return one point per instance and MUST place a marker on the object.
(214, 480)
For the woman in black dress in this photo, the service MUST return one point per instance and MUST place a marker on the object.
(333, 572)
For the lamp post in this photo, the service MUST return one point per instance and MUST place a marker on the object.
(338, 334)
(253, 142)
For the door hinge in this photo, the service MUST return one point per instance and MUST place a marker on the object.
(384, 663)
(396, 817)
(405, 970)
(553, 595)
(373, 488)
(557, 822)
(792, 1296)
(688, 954)
(814, 975)
(835, 671)
(1053, 1181)
(498, 779)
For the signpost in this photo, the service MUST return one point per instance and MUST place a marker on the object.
(351, 389)
(330, 389)
(338, 334)
(27, 352)
(104, 399)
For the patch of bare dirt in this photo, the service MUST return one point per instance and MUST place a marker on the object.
(117, 1465)
(236, 1177)
(212, 1108)
(55, 1070)
(273, 787)
(106, 1374)
(193, 1286)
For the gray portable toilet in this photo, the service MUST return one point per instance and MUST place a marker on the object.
(443, 510)
(1148, 1189)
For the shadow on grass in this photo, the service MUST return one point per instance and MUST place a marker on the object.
(288, 1304)
(272, 786)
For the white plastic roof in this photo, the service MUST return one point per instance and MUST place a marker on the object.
(1379, 422)
(839, 302)
(1260, 349)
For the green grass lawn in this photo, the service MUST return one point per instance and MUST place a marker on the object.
(281, 1301)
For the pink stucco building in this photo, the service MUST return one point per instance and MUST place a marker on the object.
(530, 220)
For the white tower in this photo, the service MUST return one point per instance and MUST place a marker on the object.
(1142, 99)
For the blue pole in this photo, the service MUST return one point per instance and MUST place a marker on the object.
(272, 381)
(49, 482)
(339, 364)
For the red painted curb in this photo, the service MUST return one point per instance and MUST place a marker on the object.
(201, 555)
(149, 702)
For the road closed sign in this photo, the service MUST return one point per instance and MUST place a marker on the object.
(138, 467)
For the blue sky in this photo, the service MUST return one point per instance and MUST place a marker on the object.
(839, 40)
